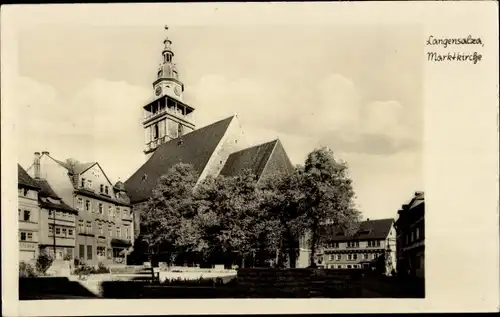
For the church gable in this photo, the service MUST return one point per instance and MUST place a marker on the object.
(278, 162)
(254, 159)
(196, 148)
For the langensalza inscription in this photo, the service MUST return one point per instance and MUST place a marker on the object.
(472, 56)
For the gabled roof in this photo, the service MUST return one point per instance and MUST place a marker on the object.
(254, 159)
(196, 149)
(369, 229)
(47, 194)
(78, 168)
(46, 190)
(24, 179)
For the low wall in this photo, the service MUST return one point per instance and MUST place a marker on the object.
(40, 287)
(300, 283)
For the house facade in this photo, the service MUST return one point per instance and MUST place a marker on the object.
(103, 223)
(374, 242)
(28, 216)
(57, 224)
(410, 231)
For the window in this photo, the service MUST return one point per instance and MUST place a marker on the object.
(58, 214)
(100, 228)
(331, 257)
(339, 257)
(155, 132)
(418, 233)
(110, 211)
(51, 229)
(83, 183)
(82, 251)
(127, 232)
(89, 184)
(89, 227)
(340, 266)
(101, 188)
(58, 231)
(118, 232)
(106, 190)
(27, 215)
(374, 243)
(70, 232)
(64, 232)
(354, 256)
(23, 236)
(101, 209)
(348, 266)
(89, 252)
(117, 211)
(101, 251)
(110, 231)
(80, 204)
(81, 228)
(353, 244)
(69, 252)
(87, 205)
(110, 253)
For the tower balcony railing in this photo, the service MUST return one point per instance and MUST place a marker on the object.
(176, 112)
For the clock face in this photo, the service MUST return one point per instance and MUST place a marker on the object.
(158, 90)
(177, 91)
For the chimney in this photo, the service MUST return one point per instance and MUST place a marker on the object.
(36, 165)
(45, 153)
(367, 219)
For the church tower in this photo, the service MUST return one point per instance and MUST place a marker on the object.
(167, 117)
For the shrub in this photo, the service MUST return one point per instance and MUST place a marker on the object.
(67, 257)
(26, 270)
(101, 268)
(43, 262)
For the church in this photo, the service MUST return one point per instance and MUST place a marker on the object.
(171, 137)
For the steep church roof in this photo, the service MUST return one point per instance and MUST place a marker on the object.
(194, 148)
(257, 158)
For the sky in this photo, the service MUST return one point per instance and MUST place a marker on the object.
(354, 88)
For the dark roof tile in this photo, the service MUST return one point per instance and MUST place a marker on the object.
(46, 190)
(370, 229)
(24, 179)
(254, 159)
(196, 149)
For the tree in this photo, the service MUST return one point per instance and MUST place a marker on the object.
(329, 196)
(228, 215)
(71, 163)
(168, 217)
(283, 202)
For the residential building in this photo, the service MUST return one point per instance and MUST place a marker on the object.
(104, 224)
(410, 233)
(57, 224)
(374, 242)
(28, 216)
(219, 148)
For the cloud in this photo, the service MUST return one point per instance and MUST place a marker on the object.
(334, 112)
(101, 122)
